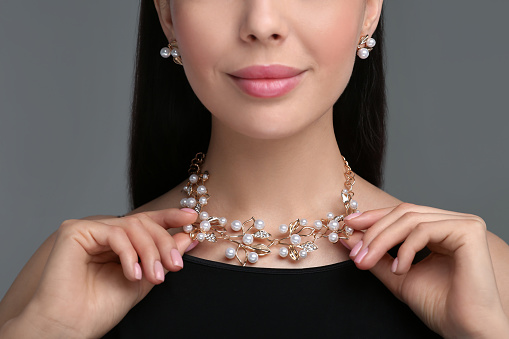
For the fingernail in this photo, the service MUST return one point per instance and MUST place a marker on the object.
(356, 249)
(159, 271)
(352, 216)
(193, 245)
(394, 266)
(189, 210)
(361, 255)
(137, 271)
(345, 244)
(176, 258)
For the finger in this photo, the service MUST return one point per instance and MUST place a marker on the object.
(184, 242)
(167, 218)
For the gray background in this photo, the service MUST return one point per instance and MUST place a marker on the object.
(65, 87)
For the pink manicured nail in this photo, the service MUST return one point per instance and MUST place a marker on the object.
(344, 244)
(356, 249)
(352, 216)
(361, 255)
(176, 258)
(189, 210)
(193, 245)
(394, 266)
(137, 271)
(159, 271)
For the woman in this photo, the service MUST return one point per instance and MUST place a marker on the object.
(270, 73)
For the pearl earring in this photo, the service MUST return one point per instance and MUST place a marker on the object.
(172, 50)
(365, 46)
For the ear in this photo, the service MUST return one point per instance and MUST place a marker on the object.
(164, 12)
(371, 16)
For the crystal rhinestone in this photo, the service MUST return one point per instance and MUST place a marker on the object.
(193, 178)
(188, 228)
(333, 237)
(201, 190)
(330, 216)
(203, 201)
(303, 254)
(205, 226)
(252, 257)
(236, 225)
(333, 225)
(261, 234)
(204, 215)
(211, 237)
(230, 252)
(354, 204)
(295, 239)
(191, 202)
(283, 252)
(200, 237)
(309, 246)
(304, 222)
(259, 224)
(248, 239)
(318, 224)
(283, 228)
(222, 221)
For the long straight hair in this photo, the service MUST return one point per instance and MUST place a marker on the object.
(165, 111)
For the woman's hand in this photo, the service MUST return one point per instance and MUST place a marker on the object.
(453, 290)
(93, 275)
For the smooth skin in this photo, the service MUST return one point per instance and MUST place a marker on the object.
(86, 277)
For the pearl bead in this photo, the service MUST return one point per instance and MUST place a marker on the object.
(304, 222)
(222, 221)
(188, 228)
(371, 43)
(354, 204)
(201, 190)
(330, 216)
(303, 254)
(205, 176)
(165, 52)
(230, 252)
(200, 237)
(248, 239)
(283, 252)
(363, 53)
(204, 215)
(344, 191)
(348, 231)
(318, 224)
(283, 228)
(183, 202)
(191, 202)
(259, 224)
(333, 237)
(295, 239)
(175, 53)
(193, 178)
(333, 225)
(236, 225)
(203, 201)
(252, 257)
(205, 226)
(186, 189)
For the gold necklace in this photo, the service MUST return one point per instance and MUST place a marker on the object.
(249, 239)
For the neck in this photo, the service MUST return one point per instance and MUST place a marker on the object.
(300, 176)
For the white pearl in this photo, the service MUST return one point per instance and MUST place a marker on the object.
(318, 224)
(333, 225)
(203, 201)
(204, 215)
(236, 225)
(200, 237)
(188, 228)
(191, 202)
(193, 178)
(186, 189)
(304, 222)
(222, 221)
(283, 228)
(348, 231)
(248, 239)
(175, 53)
(205, 226)
(354, 204)
(205, 176)
(201, 190)
(259, 224)
(283, 252)
(295, 239)
(183, 202)
(252, 257)
(333, 237)
(330, 216)
(230, 252)
(363, 53)
(165, 52)
(303, 254)
(371, 43)
(344, 191)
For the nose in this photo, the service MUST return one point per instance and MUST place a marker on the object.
(264, 21)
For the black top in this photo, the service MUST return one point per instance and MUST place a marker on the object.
(215, 300)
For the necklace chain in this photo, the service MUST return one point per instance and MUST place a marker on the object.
(249, 240)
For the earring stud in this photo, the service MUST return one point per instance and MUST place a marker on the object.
(172, 50)
(365, 46)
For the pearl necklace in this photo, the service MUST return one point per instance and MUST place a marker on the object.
(249, 239)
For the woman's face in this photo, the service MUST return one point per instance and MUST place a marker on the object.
(268, 68)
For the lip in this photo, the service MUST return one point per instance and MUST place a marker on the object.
(267, 81)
